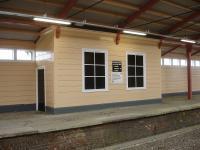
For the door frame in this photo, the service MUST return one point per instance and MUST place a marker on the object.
(37, 68)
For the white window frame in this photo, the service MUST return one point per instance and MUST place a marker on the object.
(83, 69)
(171, 63)
(13, 55)
(19, 60)
(197, 63)
(185, 65)
(176, 60)
(193, 63)
(144, 67)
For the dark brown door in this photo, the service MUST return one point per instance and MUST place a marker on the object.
(41, 90)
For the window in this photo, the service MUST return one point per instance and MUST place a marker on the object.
(95, 70)
(175, 62)
(161, 61)
(167, 62)
(197, 62)
(6, 54)
(24, 55)
(183, 62)
(135, 71)
(192, 63)
(42, 55)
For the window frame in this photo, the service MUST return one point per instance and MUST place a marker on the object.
(197, 63)
(15, 50)
(23, 60)
(170, 61)
(83, 69)
(144, 70)
(185, 65)
(175, 59)
(13, 55)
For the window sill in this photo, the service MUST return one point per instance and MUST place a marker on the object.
(92, 91)
(138, 88)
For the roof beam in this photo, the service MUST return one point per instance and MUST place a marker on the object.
(68, 6)
(135, 15)
(170, 50)
(196, 52)
(196, 37)
(114, 3)
(181, 23)
(152, 12)
(174, 4)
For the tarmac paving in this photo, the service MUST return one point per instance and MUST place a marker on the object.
(24, 123)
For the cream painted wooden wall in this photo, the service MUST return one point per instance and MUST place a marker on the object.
(68, 67)
(174, 79)
(46, 44)
(17, 79)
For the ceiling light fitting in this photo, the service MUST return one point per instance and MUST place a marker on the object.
(134, 32)
(52, 20)
(188, 41)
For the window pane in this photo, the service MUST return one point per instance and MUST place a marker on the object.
(192, 63)
(139, 71)
(89, 82)
(183, 62)
(131, 59)
(139, 82)
(161, 62)
(100, 82)
(24, 55)
(42, 55)
(6, 54)
(197, 63)
(89, 70)
(139, 60)
(167, 62)
(131, 81)
(131, 71)
(89, 58)
(100, 70)
(99, 58)
(175, 62)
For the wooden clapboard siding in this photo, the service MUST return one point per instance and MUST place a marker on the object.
(17, 83)
(174, 79)
(46, 44)
(68, 67)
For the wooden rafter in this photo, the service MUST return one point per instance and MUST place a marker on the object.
(135, 15)
(174, 4)
(115, 3)
(67, 7)
(170, 50)
(196, 37)
(184, 21)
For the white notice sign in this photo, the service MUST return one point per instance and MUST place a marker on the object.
(117, 72)
(117, 77)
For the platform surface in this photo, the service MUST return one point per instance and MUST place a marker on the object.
(23, 123)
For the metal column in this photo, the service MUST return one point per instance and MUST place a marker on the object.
(189, 71)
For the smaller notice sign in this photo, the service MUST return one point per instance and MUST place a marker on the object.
(116, 66)
(117, 72)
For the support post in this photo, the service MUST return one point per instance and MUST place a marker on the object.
(189, 71)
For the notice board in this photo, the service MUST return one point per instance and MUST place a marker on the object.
(117, 72)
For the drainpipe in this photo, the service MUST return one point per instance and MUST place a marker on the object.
(189, 71)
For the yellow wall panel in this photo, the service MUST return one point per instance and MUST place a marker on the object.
(68, 67)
